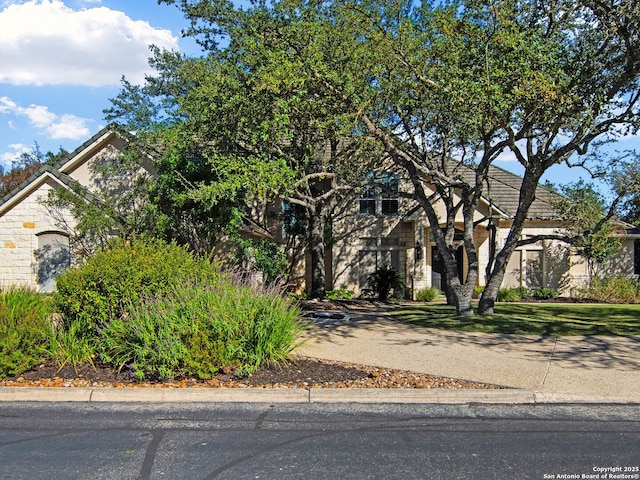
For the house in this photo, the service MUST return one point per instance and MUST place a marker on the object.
(34, 241)
(381, 225)
(375, 226)
(34, 246)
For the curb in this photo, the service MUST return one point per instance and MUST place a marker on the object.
(280, 395)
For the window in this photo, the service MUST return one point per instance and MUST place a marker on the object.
(380, 195)
(52, 258)
(294, 219)
(636, 257)
(389, 194)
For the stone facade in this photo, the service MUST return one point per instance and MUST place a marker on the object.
(370, 228)
(20, 228)
(32, 241)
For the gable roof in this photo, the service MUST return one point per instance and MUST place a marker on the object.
(504, 193)
(55, 171)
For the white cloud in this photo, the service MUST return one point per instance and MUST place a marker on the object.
(7, 158)
(44, 42)
(54, 126)
(38, 115)
(68, 126)
(506, 156)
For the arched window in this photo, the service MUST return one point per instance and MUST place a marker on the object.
(52, 258)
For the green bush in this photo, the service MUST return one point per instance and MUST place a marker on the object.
(26, 330)
(74, 344)
(385, 282)
(197, 330)
(428, 294)
(508, 294)
(158, 312)
(613, 290)
(102, 289)
(545, 293)
(342, 293)
(265, 256)
(524, 293)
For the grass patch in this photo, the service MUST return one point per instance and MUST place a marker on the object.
(544, 319)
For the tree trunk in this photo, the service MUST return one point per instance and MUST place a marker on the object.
(489, 295)
(463, 295)
(458, 293)
(527, 196)
(316, 247)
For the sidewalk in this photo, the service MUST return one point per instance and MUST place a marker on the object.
(539, 369)
(592, 369)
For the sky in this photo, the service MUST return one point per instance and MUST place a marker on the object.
(61, 61)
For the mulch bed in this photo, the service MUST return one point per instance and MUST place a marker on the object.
(297, 373)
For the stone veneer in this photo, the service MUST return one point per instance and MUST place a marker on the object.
(19, 228)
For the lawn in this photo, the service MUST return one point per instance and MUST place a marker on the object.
(545, 319)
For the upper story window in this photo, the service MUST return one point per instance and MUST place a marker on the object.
(380, 196)
(294, 219)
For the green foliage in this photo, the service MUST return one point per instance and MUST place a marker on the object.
(102, 289)
(515, 294)
(428, 294)
(264, 256)
(197, 330)
(74, 344)
(118, 203)
(525, 293)
(385, 282)
(545, 293)
(342, 293)
(26, 165)
(582, 207)
(613, 290)
(508, 294)
(154, 309)
(25, 330)
(399, 75)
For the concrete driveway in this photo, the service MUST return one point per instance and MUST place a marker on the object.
(594, 368)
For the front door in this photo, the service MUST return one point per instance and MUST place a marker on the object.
(438, 270)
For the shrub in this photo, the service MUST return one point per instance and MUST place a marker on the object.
(265, 256)
(524, 293)
(508, 294)
(385, 281)
(74, 344)
(428, 294)
(342, 293)
(93, 294)
(613, 290)
(545, 293)
(197, 330)
(25, 330)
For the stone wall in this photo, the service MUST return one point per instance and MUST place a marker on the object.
(19, 228)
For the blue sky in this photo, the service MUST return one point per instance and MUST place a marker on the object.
(62, 60)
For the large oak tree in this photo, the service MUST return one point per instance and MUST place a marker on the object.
(444, 88)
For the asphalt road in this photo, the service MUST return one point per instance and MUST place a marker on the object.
(307, 441)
